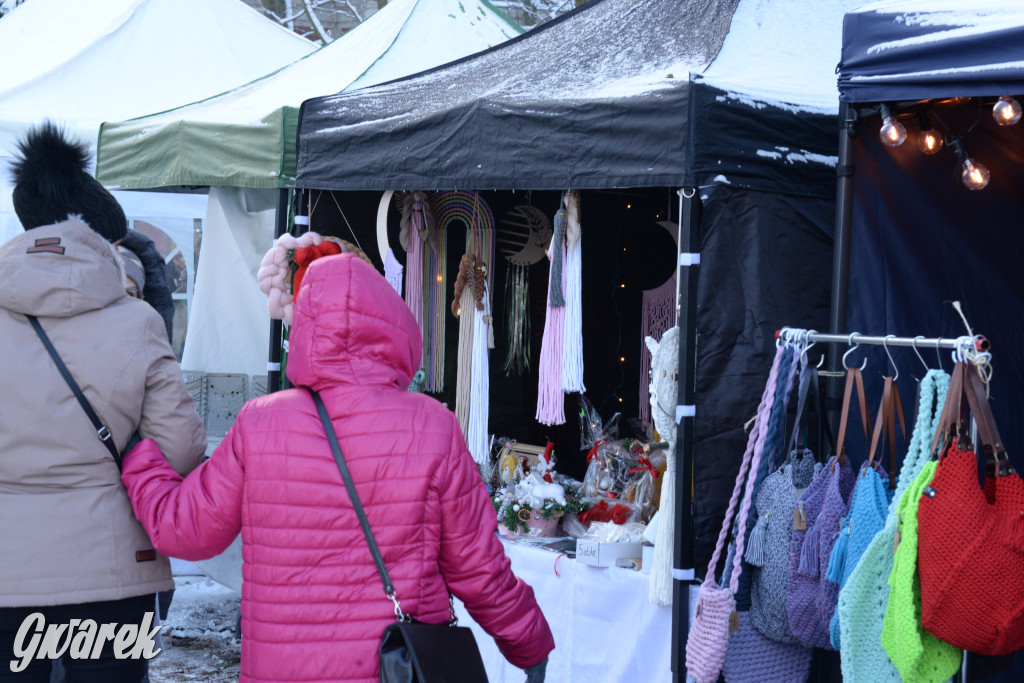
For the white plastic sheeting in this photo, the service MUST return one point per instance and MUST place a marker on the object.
(229, 328)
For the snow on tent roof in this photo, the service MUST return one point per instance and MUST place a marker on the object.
(245, 137)
(929, 49)
(83, 63)
(602, 97)
(782, 53)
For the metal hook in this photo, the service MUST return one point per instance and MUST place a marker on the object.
(913, 344)
(850, 350)
(807, 347)
(885, 345)
(938, 351)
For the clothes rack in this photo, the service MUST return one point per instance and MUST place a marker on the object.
(976, 344)
(965, 347)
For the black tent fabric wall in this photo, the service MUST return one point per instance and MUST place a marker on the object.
(922, 240)
(766, 262)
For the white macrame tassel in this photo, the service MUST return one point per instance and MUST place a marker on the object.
(476, 436)
(572, 344)
(393, 271)
(464, 376)
(660, 587)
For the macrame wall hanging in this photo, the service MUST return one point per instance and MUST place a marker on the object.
(572, 342)
(659, 314)
(550, 404)
(521, 237)
(472, 305)
(418, 230)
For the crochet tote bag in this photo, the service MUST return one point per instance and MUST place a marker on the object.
(971, 541)
(918, 656)
(863, 600)
(768, 559)
(750, 657)
(716, 618)
(810, 600)
(872, 493)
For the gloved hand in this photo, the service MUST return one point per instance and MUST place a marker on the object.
(535, 674)
(156, 292)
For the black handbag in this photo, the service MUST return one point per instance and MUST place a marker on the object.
(411, 651)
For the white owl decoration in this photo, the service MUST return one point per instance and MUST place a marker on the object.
(665, 382)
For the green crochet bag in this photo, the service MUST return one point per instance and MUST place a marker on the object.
(919, 656)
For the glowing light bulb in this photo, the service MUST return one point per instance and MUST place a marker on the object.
(975, 175)
(930, 142)
(1006, 111)
(893, 134)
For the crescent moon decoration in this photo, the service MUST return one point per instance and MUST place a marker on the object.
(523, 235)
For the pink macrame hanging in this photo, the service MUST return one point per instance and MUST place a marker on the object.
(658, 316)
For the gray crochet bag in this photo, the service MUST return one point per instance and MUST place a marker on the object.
(776, 505)
(769, 547)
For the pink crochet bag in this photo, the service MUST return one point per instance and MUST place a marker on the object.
(716, 618)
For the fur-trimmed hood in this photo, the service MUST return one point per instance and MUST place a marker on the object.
(59, 271)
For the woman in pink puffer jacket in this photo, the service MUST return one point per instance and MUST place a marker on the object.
(313, 607)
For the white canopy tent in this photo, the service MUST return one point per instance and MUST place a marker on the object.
(80, 64)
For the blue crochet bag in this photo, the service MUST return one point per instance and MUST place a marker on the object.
(863, 600)
(869, 504)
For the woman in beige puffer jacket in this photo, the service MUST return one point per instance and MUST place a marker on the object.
(70, 546)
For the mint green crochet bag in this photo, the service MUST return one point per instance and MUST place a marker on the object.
(863, 599)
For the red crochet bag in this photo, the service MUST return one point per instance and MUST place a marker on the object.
(971, 539)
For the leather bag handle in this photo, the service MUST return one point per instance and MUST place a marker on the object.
(810, 384)
(853, 377)
(988, 432)
(947, 423)
(889, 409)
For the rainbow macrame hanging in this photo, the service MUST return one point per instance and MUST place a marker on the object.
(446, 206)
(473, 306)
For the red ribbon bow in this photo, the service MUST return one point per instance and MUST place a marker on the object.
(645, 466)
(592, 453)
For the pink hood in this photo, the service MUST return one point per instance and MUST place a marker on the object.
(351, 327)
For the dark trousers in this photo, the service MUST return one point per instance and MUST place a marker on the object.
(105, 669)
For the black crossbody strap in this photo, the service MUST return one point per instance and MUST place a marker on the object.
(101, 431)
(350, 486)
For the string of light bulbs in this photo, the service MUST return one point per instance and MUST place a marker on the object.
(975, 176)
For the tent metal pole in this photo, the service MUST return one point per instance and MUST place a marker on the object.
(274, 357)
(686, 318)
(841, 248)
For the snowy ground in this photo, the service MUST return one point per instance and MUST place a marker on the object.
(199, 639)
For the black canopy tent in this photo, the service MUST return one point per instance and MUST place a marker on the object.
(909, 233)
(622, 94)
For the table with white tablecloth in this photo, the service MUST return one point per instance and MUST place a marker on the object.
(606, 629)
